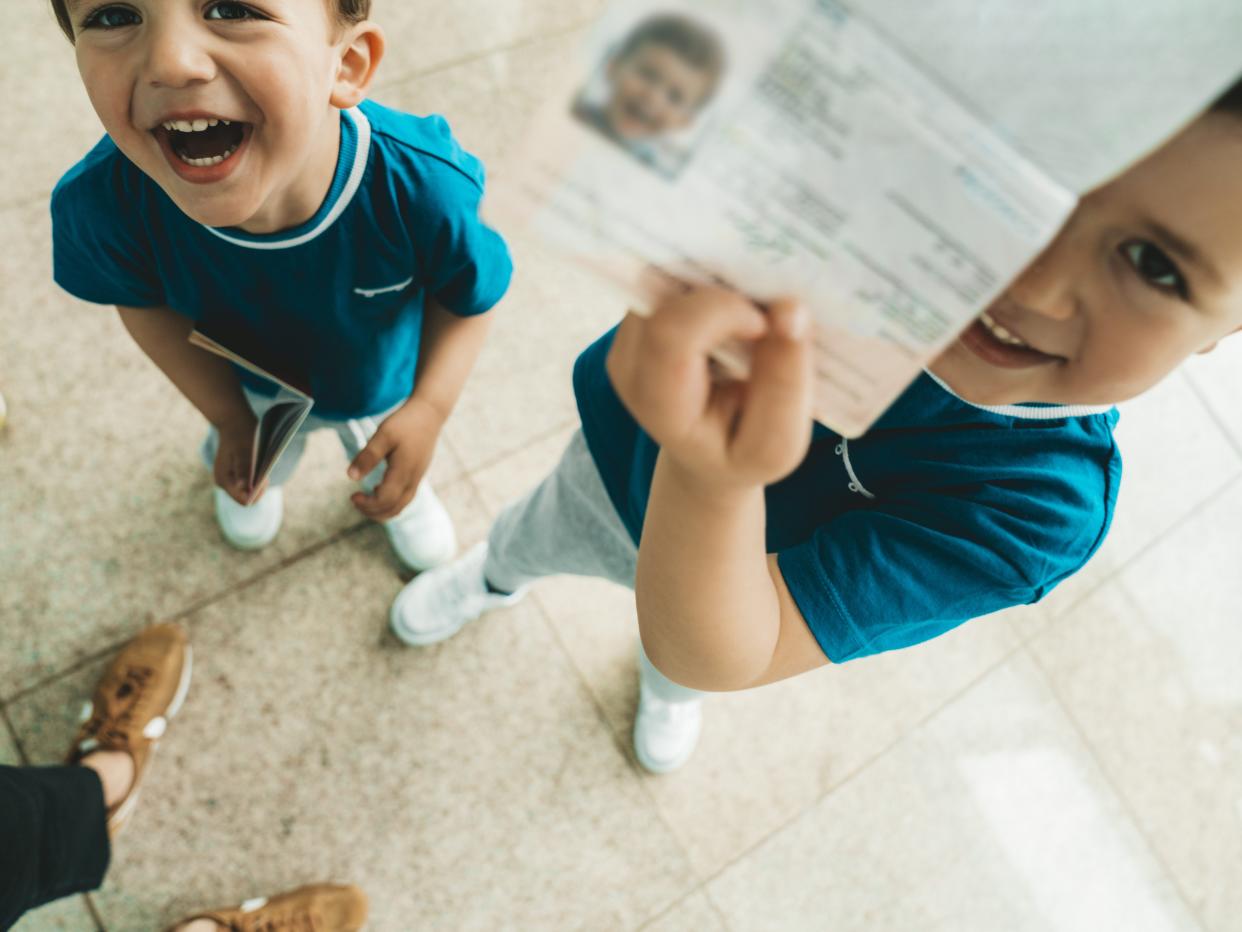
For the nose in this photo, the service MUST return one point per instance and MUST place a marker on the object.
(175, 57)
(1046, 286)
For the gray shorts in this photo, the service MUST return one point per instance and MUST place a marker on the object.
(567, 525)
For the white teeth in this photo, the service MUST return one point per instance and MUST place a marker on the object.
(194, 126)
(1000, 332)
(210, 160)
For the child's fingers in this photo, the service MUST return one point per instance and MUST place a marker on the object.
(389, 498)
(701, 321)
(370, 456)
(253, 495)
(228, 477)
(775, 423)
(662, 370)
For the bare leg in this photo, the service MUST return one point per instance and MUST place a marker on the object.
(116, 773)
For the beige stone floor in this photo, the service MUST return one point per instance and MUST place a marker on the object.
(1077, 765)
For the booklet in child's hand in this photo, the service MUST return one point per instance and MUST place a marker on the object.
(785, 147)
(279, 423)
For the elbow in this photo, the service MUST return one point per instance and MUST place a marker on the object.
(702, 670)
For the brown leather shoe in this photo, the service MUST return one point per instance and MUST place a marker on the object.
(321, 907)
(133, 703)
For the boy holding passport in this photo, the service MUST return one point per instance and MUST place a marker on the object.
(245, 185)
(762, 545)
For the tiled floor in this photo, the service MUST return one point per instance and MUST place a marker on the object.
(1076, 765)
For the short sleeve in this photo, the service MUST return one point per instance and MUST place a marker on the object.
(468, 268)
(98, 254)
(882, 578)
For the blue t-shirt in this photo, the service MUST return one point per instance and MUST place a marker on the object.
(942, 512)
(337, 302)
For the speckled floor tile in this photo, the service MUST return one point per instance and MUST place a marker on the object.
(106, 509)
(992, 815)
(45, 106)
(470, 785)
(488, 101)
(9, 755)
(1149, 669)
(425, 37)
(693, 914)
(68, 915)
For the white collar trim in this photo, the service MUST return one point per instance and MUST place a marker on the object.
(362, 151)
(1045, 413)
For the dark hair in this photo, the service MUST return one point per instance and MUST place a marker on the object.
(699, 45)
(1231, 101)
(347, 11)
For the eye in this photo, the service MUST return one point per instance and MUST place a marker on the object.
(1155, 268)
(226, 10)
(111, 17)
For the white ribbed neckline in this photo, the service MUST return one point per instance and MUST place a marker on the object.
(362, 150)
(1043, 413)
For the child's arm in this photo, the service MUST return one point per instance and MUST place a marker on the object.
(209, 383)
(713, 609)
(407, 437)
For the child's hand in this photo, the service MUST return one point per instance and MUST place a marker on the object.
(406, 439)
(726, 435)
(232, 467)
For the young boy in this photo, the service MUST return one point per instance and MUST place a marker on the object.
(988, 482)
(244, 185)
(659, 80)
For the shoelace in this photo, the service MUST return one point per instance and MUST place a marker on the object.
(106, 727)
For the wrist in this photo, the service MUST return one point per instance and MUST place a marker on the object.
(432, 413)
(709, 491)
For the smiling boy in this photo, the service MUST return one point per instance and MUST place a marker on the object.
(761, 546)
(660, 79)
(245, 185)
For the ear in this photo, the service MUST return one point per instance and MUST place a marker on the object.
(361, 50)
(1211, 346)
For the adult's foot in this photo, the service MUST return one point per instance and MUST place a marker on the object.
(320, 907)
(133, 703)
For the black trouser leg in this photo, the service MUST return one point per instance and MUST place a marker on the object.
(53, 836)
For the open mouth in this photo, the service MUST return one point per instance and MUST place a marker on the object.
(996, 344)
(1000, 332)
(204, 141)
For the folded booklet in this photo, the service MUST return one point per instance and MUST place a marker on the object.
(785, 147)
(276, 428)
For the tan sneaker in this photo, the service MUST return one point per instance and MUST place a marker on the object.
(133, 703)
(321, 907)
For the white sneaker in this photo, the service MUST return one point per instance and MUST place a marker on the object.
(250, 527)
(422, 535)
(665, 733)
(437, 604)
